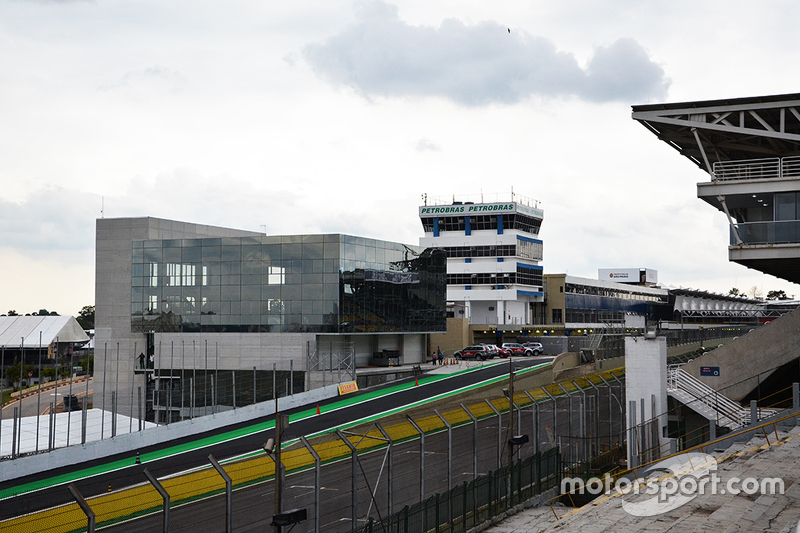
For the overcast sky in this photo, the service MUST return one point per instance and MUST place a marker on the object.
(337, 116)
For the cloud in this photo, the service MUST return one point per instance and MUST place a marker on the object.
(427, 145)
(151, 78)
(53, 219)
(477, 65)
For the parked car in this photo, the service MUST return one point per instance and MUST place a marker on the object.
(500, 352)
(480, 352)
(517, 349)
(537, 347)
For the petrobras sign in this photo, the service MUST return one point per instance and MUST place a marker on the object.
(628, 275)
(480, 209)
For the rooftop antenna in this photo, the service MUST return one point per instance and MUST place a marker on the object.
(263, 226)
(425, 199)
(512, 193)
(481, 195)
(102, 206)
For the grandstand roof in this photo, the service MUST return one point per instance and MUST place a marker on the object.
(28, 330)
(729, 129)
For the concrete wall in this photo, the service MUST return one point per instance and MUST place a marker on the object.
(759, 352)
(131, 442)
(458, 335)
(115, 346)
(646, 382)
(232, 351)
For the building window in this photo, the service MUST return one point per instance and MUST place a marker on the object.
(187, 279)
(276, 275)
(557, 316)
(529, 249)
(153, 275)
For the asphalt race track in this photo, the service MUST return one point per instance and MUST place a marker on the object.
(57, 494)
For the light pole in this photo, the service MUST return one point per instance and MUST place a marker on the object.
(273, 449)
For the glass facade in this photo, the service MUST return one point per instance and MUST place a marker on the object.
(508, 221)
(300, 283)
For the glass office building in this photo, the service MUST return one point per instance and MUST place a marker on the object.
(277, 284)
(199, 319)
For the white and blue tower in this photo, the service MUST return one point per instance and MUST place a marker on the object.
(493, 254)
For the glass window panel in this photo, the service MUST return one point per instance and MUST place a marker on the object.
(785, 206)
(251, 292)
(312, 250)
(172, 255)
(211, 253)
(231, 293)
(270, 292)
(193, 254)
(252, 280)
(230, 268)
(312, 279)
(231, 253)
(152, 255)
(291, 292)
(251, 253)
(271, 252)
(312, 291)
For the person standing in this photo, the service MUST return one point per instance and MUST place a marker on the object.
(439, 355)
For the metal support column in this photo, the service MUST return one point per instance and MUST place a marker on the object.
(421, 458)
(164, 495)
(353, 480)
(390, 473)
(228, 497)
(317, 481)
(90, 516)
(449, 450)
(499, 432)
(474, 442)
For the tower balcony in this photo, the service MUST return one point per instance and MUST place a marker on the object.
(761, 198)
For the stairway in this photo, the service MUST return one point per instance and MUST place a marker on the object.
(707, 402)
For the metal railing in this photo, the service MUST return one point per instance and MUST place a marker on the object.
(728, 412)
(756, 169)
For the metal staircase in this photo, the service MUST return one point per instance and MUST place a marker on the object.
(707, 402)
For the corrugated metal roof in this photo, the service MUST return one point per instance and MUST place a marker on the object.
(28, 330)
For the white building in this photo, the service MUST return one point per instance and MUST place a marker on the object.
(493, 254)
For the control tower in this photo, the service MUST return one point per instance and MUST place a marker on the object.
(750, 149)
(493, 254)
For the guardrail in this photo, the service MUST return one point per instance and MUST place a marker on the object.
(756, 169)
(772, 232)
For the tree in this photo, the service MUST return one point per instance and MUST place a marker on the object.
(28, 372)
(13, 313)
(88, 365)
(755, 293)
(777, 295)
(45, 312)
(735, 292)
(86, 317)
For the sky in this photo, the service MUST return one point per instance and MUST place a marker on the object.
(336, 117)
